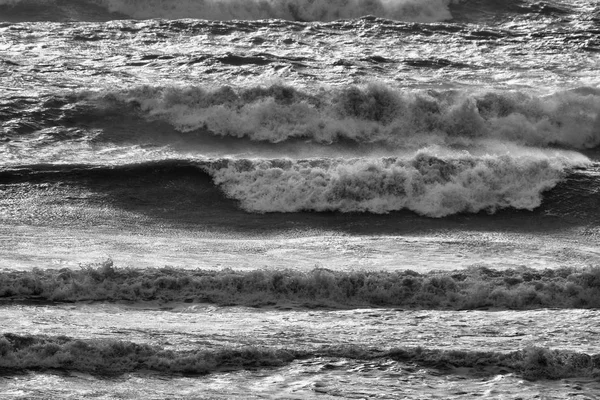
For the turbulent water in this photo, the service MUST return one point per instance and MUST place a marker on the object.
(289, 135)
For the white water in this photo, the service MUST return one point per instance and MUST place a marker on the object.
(202, 326)
(549, 61)
(27, 248)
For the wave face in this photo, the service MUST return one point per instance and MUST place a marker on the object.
(337, 143)
(428, 185)
(382, 149)
(372, 114)
(302, 10)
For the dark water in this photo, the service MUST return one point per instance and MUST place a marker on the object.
(274, 147)
(347, 134)
(185, 192)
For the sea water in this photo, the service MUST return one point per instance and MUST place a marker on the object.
(169, 170)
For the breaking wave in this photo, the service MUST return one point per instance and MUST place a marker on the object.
(371, 114)
(429, 185)
(114, 357)
(474, 288)
(426, 184)
(374, 115)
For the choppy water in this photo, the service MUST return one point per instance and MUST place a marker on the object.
(347, 134)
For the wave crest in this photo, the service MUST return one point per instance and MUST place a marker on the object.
(514, 289)
(375, 113)
(111, 357)
(426, 184)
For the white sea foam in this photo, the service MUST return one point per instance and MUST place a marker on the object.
(377, 114)
(429, 185)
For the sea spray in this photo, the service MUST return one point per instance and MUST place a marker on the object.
(375, 113)
(124, 137)
(429, 185)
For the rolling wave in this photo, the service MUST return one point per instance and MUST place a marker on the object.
(372, 114)
(473, 288)
(115, 357)
(426, 184)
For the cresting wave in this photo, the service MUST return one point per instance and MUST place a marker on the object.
(296, 10)
(375, 115)
(20, 353)
(470, 289)
(372, 114)
(427, 185)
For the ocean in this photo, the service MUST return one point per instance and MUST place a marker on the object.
(298, 199)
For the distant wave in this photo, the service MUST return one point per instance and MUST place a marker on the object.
(294, 10)
(115, 357)
(372, 114)
(473, 10)
(297, 10)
